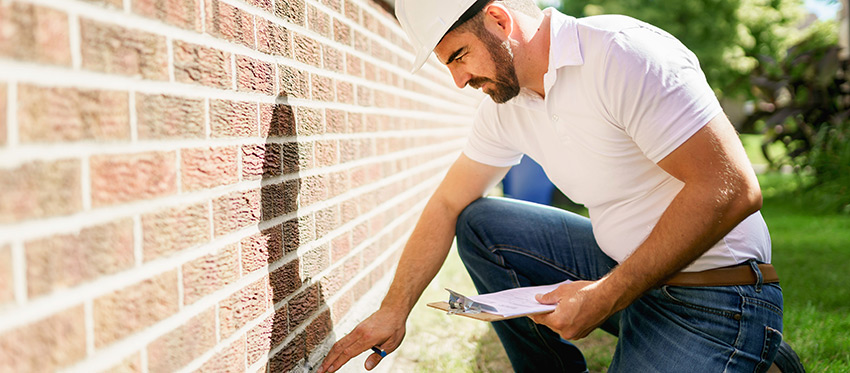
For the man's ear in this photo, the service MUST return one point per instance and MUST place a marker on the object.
(498, 20)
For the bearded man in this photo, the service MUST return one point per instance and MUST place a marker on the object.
(675, 254)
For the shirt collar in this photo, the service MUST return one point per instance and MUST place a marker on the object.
(564, 45)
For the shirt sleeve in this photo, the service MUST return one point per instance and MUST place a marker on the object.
(656, 90)
(487, 142)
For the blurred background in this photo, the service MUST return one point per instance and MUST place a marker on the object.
(780, 69)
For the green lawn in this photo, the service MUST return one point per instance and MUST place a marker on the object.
(810, 252)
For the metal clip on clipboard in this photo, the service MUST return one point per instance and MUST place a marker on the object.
(460, 304)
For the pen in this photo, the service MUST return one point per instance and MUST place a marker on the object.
(379, 351)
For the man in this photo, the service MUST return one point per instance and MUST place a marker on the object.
(620, 116)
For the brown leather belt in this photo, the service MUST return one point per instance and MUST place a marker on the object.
(741, 274)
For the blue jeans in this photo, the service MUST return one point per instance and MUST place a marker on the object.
(507, 243)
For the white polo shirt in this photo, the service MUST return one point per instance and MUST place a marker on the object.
(620, 96)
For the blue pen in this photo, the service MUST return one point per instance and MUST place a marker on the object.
(379, 351)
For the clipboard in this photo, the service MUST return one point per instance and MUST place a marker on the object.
(483, 315)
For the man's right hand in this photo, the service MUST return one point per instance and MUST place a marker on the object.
(384, 329)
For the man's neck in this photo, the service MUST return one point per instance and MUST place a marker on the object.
(533, 63)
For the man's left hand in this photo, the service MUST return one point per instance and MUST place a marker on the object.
(581, 307)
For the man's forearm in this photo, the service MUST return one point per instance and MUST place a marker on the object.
(423, 255)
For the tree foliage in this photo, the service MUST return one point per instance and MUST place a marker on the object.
(728, 36)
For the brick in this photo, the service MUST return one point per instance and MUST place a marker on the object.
(64, 261)
(344, 92)
(261, 161)
(52, 114)
(315, 261)
(332, 59)
(132, 364)
(318, 21)
(162, 116)
(279, 120)
(307, 50)
(259, 340)
(262, 249)
(327, 153)
(293, 82)
(231, 359)
(254, 75)
(205, 168)
(114, 49)
(342, 32)
(233, 118)
(302, 306)
(131, 177)
(264, 4)
(171, 230)
(3, 99)
(318, 330)
(181, 13)
(182, 345)
(297, 232)
(352, 11)
(34, 33)
(309, 121)
(40, 189)
(280, 327)
(134, 308)
(273, 38)
(7, 283)
(292, 156)
(336, 5)
(242, 307)
(235, 211)
(49, 344)
(210, 273)
(119, 4)
(290, 357)
(202, 65)
(291, 10)
(285, 280)
(228, 22)
(273, 200)
(322, 88)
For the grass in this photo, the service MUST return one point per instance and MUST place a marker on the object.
(809, 250)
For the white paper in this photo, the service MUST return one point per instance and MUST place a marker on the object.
(517, 301)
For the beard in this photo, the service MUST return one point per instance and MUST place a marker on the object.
(505, 85)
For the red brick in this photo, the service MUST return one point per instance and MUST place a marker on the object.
(344, 92)
(352, 11)
(291, 10)
(342, 32)
(182, 345)
(206, 168)
(119, 4)
(322, 88)
(202, 65)
(181, 13)
(290, 357)
(318, 330)
(319, 21)
(333, 281)
(293, 155)
(210, 273)
(280, 327)
(46, 345)
(332, 59)
(40, 189)
(134, 308)
(315, 261)
(341, 306)
(273, 38)
(327, 153)
(336, 5)
(65, 261)
(228, 22)
(278, 120)
(132, 364)
(340, 247)
(261, 160)
(235, 211)
(51, 114)
(34, 33)
(302, 306)
(231, 359)
(285, 280)
(313, 190)
(2, 114)
(242, 307)
(293, 82)
(233, 118)
(114, 49)
(309, 121)
(262, 249)
(171, 230)
(130, 177)
(254, 75)
(7, 283)
(259, 340)
(307, 50)
(161, 116)
(264, 4)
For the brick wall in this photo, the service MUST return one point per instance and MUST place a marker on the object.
(206, 185)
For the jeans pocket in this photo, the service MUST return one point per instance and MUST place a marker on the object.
(713, 313)
(772, 339)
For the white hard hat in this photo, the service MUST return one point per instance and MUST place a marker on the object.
(427, 21)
